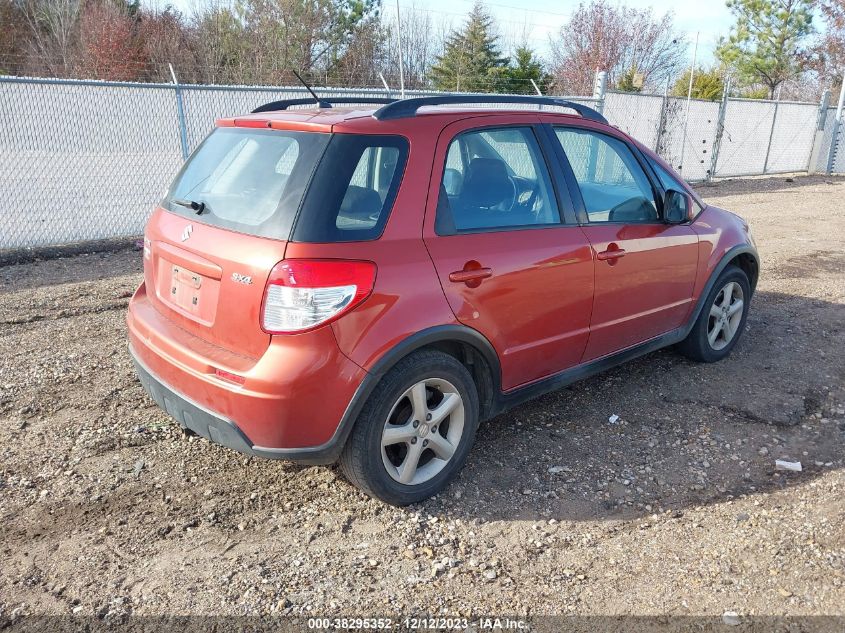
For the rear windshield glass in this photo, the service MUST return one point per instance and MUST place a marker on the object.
(250, 181)
(353, 189)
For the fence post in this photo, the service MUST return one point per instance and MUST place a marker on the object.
(771, 134)
(818, 140)
(720, 128)
(180, 114)
(837, 125)
(661, 122)
(600, 90)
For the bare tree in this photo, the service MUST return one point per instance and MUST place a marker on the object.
(653, 48)
(422, 41)
(364, 56)
(13, 37)
(167, 39)
(53, 29)
(619, 40)
(829, 53)
(109, 47)
(221, 43)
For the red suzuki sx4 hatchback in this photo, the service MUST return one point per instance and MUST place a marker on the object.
(367, 285)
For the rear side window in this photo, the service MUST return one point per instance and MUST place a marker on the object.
(250, 181)
(353, 189)
(495, 179)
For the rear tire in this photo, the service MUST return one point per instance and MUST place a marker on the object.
(722, 320)
(415, 431)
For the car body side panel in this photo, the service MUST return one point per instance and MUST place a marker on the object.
(535, 308)
(718, 232)
(647, 292)
(407, 297)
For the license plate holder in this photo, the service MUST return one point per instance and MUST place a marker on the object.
(185, 288)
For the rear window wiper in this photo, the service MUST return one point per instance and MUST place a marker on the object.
(197, 207)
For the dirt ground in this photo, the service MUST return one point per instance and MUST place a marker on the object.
(107, 509)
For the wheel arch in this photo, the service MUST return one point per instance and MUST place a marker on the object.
(749, 264)
(468, 346)
(745, 257)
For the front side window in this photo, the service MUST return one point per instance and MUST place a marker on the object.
(667, 180)
(613, 185)
(495, 178)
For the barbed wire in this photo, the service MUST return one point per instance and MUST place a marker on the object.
(122, 69)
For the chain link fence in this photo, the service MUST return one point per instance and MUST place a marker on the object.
(88, 160)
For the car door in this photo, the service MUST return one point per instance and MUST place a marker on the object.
(645, 268)
(510, 257)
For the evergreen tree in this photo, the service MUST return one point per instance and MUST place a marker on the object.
(768, 42)
(630, 81)
(706, 84)
(516, 77)
(471, 60)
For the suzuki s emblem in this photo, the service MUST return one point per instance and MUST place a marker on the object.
(241, 279)
(186, 232)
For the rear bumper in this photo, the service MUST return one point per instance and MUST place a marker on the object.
(190, 415)
(298, 401)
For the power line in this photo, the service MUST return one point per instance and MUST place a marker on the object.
(509, 6)
(465, 14)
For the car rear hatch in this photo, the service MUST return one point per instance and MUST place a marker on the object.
(222, 226)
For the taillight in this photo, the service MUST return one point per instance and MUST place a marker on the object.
(302, 294)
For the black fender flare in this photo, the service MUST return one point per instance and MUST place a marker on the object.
(454, 333)
(440, 334)
(727, 258)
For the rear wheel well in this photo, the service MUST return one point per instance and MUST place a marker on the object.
(748, 264)
(478, 367)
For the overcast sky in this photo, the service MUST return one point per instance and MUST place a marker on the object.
(536, 20)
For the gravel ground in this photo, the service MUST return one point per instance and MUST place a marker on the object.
(107, 509)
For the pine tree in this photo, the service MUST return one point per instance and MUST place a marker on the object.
(516, 77)
(706, 84)
(471, 57)
(768, 42)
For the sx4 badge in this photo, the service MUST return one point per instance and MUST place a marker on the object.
(241, 279)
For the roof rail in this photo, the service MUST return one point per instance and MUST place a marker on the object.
(408, 107)
(321, 103)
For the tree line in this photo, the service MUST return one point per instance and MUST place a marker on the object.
(773, 49)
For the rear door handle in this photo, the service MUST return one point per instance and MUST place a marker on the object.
(473, 274)
(611, 253)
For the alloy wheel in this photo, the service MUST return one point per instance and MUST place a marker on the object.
(422, 431)
(725, 316)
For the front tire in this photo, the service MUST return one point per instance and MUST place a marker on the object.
(415, 431)
(722, 320)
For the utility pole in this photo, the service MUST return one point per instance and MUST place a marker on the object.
(689, 99)
(401, 63)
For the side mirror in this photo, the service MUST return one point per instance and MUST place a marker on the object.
(676, 207)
